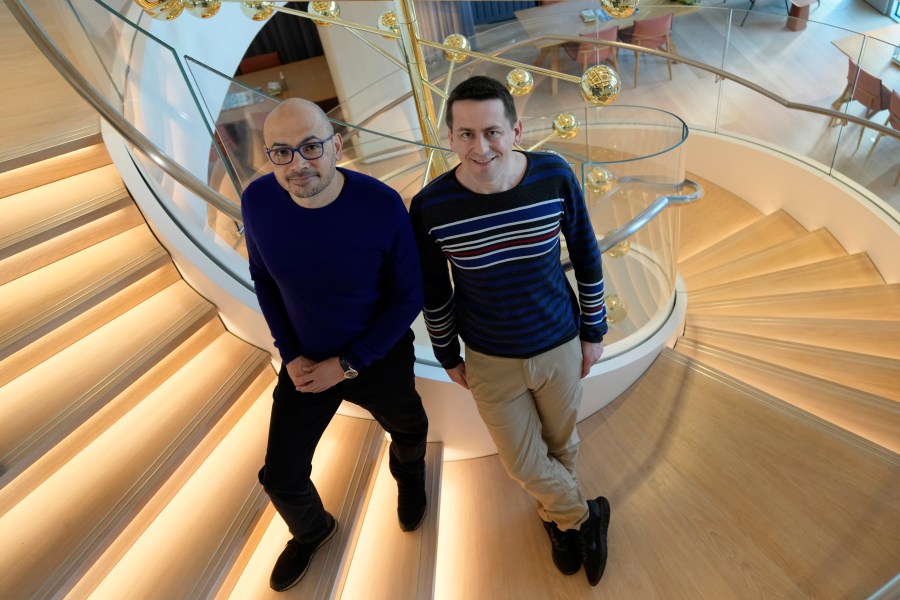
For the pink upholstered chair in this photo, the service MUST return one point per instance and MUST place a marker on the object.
(587, 52)
(893, 120)
(654, 33)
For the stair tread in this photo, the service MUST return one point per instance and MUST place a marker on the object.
(53, 202)
(880, 302)
(70, 391)
(711, 219)
(873, 337)
(403, 569)
(769, 231)
(347, 453)
(870, 416)
(53, 288)
(873, 374)
(41, 250)
(137, 452)
(813, 247)
(225, 484)
(53, 169)
(855, 270)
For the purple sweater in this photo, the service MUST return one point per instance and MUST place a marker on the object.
(341, 279)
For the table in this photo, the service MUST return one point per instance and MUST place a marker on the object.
(310, 79)
(876, 59)
(564, 18)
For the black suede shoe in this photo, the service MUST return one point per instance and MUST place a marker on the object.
(294, 561)
(411, 507)
(566, 550)
(593, 539)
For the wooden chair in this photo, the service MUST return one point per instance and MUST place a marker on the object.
(893, 120)
(260, 62)
(868, 90)
(655, 33)
(587, 51)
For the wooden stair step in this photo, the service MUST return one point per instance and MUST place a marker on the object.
(873, 374)
(40, 213)
(344, 469)
(878, 338)
(810, 248)
(387, 562)
(856, 270)
(53, 169)
(222, 480)
(37, 254)
(767, 232)
(870, 416)
(711, 219)
(49, 404)
(35, 304)
(49, 542)
(881, 302)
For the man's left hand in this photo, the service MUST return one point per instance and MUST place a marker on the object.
(590, 355)
(321, 376)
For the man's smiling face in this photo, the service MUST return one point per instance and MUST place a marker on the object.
(483, 138)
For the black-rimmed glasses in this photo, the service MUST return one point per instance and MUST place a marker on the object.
(284, 155)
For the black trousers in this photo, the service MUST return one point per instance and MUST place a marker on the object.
(386, 388)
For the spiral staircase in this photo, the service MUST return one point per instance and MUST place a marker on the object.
(759, 457)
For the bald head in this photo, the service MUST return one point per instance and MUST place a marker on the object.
(311, 176)
(300, 114)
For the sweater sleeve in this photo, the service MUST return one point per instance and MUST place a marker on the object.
(440, 310)
(403, 294)
(585, 256)
(268, 294)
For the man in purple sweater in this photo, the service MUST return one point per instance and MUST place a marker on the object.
(336, 272)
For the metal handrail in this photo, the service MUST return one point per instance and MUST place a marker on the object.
(620, 234)
(93, 97)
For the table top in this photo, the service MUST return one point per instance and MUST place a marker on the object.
(564, 18)
(879, 50)
(308, 79)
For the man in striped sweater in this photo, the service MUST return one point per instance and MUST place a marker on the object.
(497, 220)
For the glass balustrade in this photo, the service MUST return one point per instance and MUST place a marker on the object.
(626, 155)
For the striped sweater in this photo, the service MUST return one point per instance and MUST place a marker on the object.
(509, 295)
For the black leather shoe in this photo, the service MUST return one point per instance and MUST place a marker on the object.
(566, 550)
(294, 561)
(593, 539)
(411, 507)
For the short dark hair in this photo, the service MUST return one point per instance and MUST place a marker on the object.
(480, 87)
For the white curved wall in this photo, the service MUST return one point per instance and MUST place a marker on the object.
(771, 180)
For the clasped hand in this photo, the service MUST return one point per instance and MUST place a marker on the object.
(311, 377)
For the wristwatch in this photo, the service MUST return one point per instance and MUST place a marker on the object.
(349, 372)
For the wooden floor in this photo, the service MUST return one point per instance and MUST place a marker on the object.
(715, 493)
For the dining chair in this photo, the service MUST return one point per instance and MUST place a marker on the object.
(655, 34)
(868, 90)
(586, 51)
(893, 120)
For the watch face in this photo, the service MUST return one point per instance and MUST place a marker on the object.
(350, 373)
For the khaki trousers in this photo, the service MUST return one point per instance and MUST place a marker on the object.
(530, 407)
